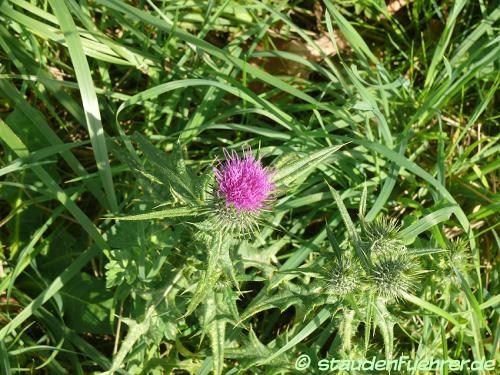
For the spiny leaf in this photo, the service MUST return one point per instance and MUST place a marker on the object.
(150, 177)
(427, 251)
(386, 326)
(227, 266)
(230, 298)
(333, 243)
(351, 229)
(216, 330)
(282, 300)
(210, 276)
(347, 330)
(369, 318)
(180, 182)
(135, 332)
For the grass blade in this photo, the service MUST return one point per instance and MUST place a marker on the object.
(302, 166)
(430, 307)
(310, 327)
(409, 233)
(89, 98)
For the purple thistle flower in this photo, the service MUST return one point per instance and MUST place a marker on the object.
(243, 182)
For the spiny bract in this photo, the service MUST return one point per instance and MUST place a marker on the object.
(343, 278)
(382, 236)
(395, 275)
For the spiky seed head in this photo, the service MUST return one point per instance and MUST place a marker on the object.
(242, 191)
(394, 275)
(457, 256)
(343, 277)
(382, 227)
(386, 246)
(382, 237)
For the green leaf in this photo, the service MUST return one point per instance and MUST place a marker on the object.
(362, 202)
(352, 36)
(333, 243)
(430, 307)
(138, 330)
(303, 166)
(26, 163)
(33, 119)
(385, 323)
(216, 332)
(135, 332)
(476, 314)
(46, 30)
(162, 214)
(87, 305)
(369, 317)
(444, 41)
(51, 290)
(281, 300)
(28, 254)
(347, 329)
(493, 301)
(169, 169)
(210, 276)
(310, 327)
(426, 251)
(387, 188)
(4, 360)
(213, 51)
(11, 139)
(351, 229)
(411, 232)
(89, 97)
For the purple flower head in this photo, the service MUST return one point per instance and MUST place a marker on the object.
(243, 182)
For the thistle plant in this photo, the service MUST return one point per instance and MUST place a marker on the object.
(390, 270)
(132, 242)
(387, 267)
(371, 267)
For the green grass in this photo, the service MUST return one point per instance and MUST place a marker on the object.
(112, 115)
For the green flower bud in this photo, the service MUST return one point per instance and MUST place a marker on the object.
(394, 275)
